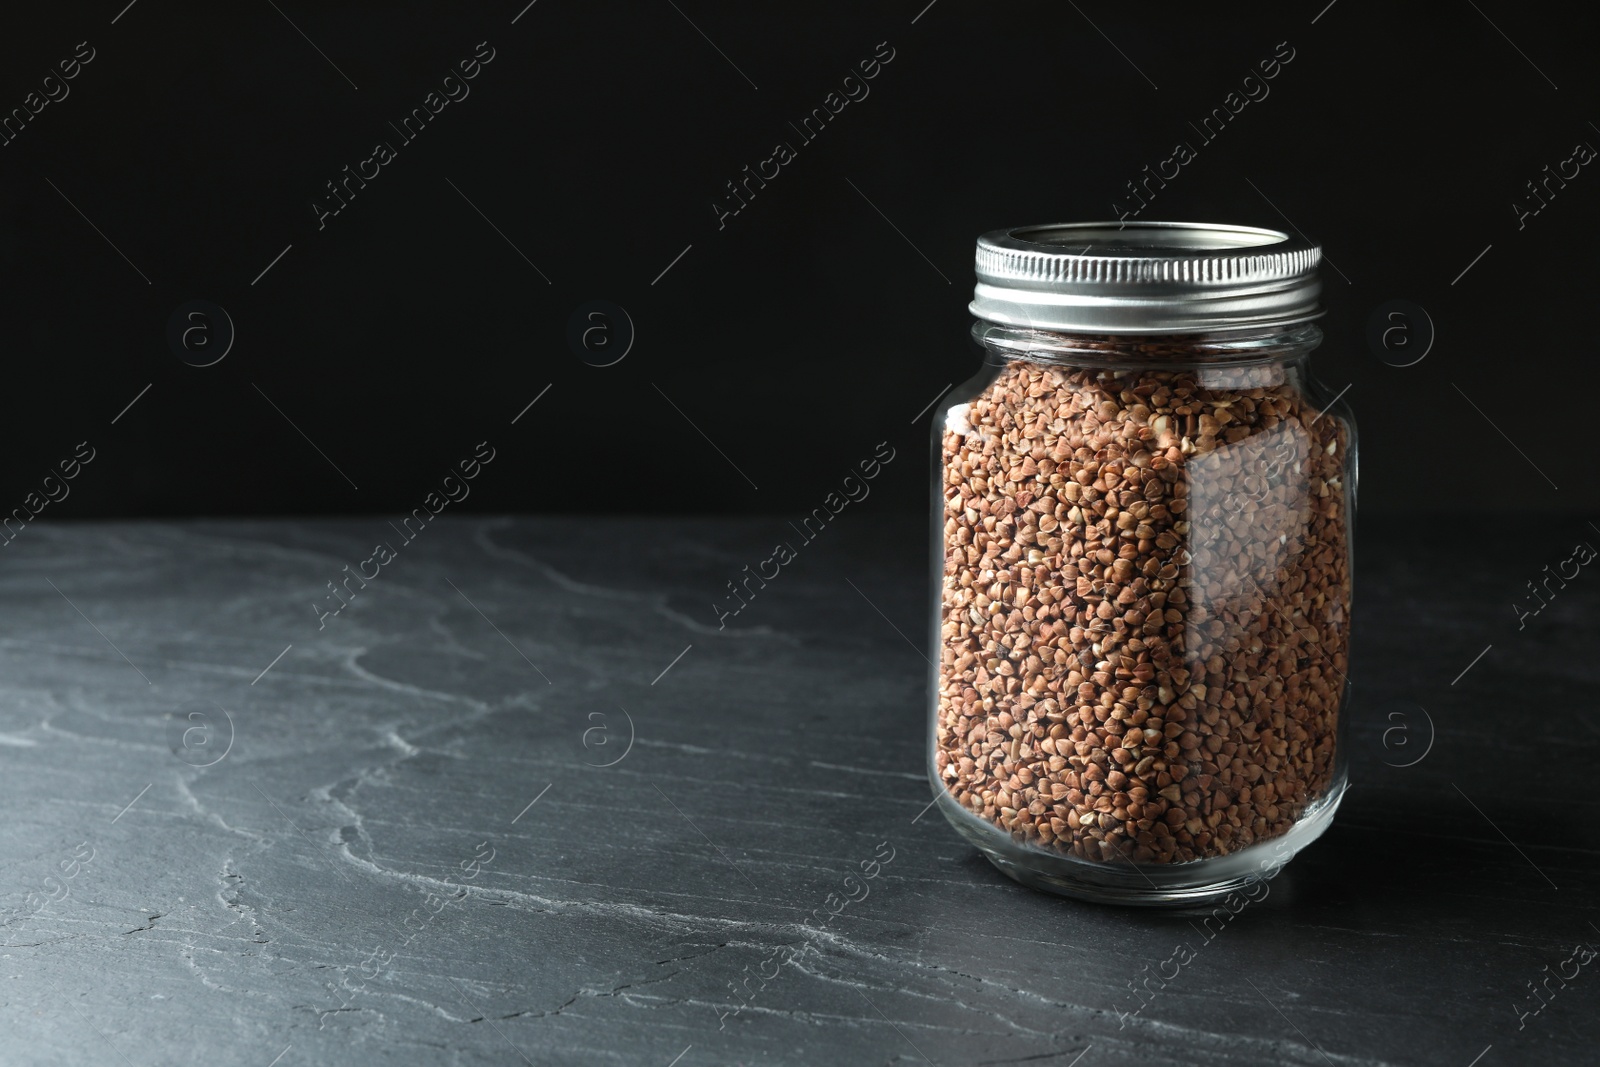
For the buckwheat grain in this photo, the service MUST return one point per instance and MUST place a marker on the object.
(1145, 607)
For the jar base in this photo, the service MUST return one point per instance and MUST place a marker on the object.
(1149, 885)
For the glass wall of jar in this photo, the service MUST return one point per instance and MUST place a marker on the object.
(1142, 543)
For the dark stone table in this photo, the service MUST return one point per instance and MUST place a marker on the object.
(523, 799)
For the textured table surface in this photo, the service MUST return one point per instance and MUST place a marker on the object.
(401, 843)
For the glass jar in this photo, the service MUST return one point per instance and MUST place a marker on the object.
(1141, 588)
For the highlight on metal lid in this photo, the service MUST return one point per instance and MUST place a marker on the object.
(1145, 277)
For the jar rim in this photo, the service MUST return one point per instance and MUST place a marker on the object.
(1272, 343)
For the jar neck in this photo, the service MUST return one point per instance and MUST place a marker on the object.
(1258, 346)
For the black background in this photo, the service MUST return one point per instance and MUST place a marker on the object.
(805, 330)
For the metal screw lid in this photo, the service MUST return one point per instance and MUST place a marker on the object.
(1145, 277)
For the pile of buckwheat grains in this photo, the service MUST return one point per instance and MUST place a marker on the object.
(1145, 606)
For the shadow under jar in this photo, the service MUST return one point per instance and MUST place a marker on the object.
(1141, 534)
